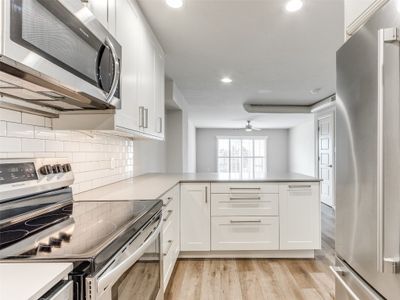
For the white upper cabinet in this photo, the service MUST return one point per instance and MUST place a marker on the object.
(105, 12)
(357, 13)
(142, 75)
(127, 24)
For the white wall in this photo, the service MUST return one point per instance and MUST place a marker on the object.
(180, 131)
(277, 148)
(149, 157)
(302, 148)
(174, 147)
(97, 159)
(191, 168)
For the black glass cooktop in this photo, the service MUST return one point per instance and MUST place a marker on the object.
(100, 229)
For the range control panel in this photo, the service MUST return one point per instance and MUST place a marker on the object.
(19, 177)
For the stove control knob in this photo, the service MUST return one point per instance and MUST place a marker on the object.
(65, 237)
(46, 170)
(44, 248)
(66, 168)
(57, 169)
(55, 242)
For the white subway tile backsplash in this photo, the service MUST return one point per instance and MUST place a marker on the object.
(44, 133)
(89, 152)
(47, 122)
(71, 146)
(3, 128)
(33, 119)
(10, 144)
(10, 115)
(19, 130)
(54, 146)
(32, 145)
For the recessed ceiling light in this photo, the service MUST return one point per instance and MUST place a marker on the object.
(175, 3)
(294, 5)
(315, 91)
(226, 80)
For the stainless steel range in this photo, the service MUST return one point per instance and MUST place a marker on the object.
(114, 245)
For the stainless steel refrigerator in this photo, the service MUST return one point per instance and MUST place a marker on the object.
(368, 160)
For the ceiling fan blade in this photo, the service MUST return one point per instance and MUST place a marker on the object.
(257, 129)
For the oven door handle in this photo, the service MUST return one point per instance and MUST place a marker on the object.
(108, 278)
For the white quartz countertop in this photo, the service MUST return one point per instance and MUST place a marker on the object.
(152, 186)
(22, 281)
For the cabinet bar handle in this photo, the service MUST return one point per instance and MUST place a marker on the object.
(299, 186)
(169, 199)
(170, 242)
(206, 190)
(168, 215)
(243, 222)
(255, 198)
(141, 116)
(245, 188)
(146, 114)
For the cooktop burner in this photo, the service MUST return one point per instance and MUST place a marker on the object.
(47, 219)
(9, 236)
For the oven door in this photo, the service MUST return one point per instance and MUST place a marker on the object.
(135, 273)
(63, 42)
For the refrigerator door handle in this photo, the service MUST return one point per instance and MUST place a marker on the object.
(385, 36)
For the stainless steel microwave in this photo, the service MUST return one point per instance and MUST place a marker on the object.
(55, 53)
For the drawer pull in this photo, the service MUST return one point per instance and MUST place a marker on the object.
(169, 199)
(168, 215)
(245, 188)
(170, 242)
(300, 186)
(253, 198)
(245, 222)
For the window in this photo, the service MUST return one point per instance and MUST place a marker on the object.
(242, 156)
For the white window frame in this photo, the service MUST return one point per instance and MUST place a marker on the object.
(265, 138)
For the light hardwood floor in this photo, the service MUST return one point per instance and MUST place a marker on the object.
(255, 279)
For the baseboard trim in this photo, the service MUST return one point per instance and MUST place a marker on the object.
(249, 254)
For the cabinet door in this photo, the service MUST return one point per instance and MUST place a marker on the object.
(299, 209)
(195, 217)
(146, 75)
(159, 101)
(105, 12)
(129, 38)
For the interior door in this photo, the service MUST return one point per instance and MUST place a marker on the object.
(326, 158)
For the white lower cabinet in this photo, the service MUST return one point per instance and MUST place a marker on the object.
(195, 217)
(244, 233)
(171, 237)
(300, 220)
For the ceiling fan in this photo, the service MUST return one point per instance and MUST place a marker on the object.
(250, 128)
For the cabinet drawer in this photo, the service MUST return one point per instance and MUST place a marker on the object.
(170, 256)
(244, 233)
(244, 204)
(170, 198)
(244, 188)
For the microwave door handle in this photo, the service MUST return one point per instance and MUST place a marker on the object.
(107, 279)
(113, 89)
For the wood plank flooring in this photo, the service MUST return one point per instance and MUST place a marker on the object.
(257, 279)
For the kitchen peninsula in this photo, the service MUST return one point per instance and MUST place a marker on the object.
(218, 216)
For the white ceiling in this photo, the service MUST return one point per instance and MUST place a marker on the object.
(273, 57)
